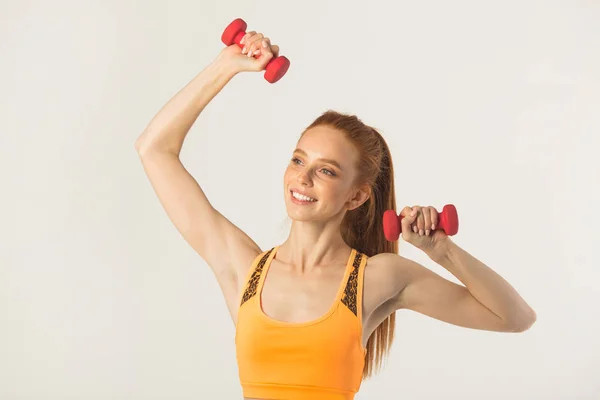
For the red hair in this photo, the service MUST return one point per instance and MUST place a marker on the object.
(362, 228)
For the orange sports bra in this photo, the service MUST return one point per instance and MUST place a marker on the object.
(322, 359)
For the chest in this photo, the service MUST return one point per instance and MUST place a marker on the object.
(292, 297)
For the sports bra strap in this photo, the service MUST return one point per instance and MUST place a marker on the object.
(252, 285)
(351, 296)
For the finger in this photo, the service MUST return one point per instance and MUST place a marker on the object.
(434, 218)
(246, 36)
(254, 43)
(415, 227)
(408, 219)
(406, 211)
(420, 224)
(411, 217)
(245, 40)
(426, 220)
(265, 52)
(263, 46)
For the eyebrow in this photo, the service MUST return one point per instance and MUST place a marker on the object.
(327, 160)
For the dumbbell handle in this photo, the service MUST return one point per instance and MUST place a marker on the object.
(447, 221)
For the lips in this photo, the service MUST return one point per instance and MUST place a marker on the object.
(292, 191)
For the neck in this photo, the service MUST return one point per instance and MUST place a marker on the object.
(314, 244)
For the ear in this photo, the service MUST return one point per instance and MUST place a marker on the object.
(361, 195)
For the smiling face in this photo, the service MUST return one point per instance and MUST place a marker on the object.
(323, 168)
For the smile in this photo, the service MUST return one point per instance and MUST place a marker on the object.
(302, 198)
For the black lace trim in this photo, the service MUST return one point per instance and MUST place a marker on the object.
(350, 298)
(252, 284)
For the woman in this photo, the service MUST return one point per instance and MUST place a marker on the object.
(315, 314)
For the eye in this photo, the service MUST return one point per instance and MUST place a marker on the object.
(296, 161)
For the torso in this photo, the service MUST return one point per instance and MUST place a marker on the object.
(288, 296)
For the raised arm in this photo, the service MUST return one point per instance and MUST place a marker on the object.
(226, 249)
(486, 301)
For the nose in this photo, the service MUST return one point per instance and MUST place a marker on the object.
(304, 177)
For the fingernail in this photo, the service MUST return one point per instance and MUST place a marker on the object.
(250, 53)
(433, 227)
(244, 50)
(421, 232)
(265, 44)
(415, 229)
(427, 232)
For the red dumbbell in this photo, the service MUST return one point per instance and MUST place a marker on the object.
(235, 31)
(447, 221)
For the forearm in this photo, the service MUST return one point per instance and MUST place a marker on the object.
(169, 127)
(489, 288)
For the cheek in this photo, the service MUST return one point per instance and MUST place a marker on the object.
(287, 174)
(334, 192)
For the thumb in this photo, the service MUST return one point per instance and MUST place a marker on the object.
(409, 217)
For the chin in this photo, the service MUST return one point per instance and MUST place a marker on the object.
(302, 213)
(296, 214)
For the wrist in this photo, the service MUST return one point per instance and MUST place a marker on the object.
(224, 68)
(441, 250)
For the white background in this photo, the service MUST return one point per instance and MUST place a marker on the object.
(491, 106)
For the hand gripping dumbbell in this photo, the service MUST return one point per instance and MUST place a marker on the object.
(447, 221)
(277, 66)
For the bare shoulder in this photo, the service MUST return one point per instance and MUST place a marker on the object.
(386, 275)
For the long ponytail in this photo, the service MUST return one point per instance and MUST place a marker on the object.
(362, 228)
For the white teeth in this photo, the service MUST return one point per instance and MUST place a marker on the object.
(302, 197)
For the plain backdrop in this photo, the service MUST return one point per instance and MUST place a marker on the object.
(491, 106)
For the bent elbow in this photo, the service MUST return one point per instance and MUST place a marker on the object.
(140, 145)
(523, 322)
